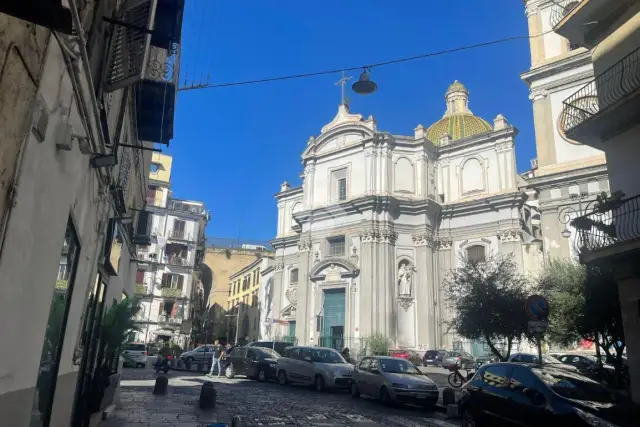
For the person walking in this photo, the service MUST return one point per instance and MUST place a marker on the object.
(346, 355)
(215, 360)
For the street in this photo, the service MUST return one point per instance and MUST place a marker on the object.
(258, 404)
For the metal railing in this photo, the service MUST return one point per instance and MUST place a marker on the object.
(608, 224)
(176, 260)
(164, 65)
(180, 235)
(613, 85)
(181, 206)
(560, 9)
(141, 289)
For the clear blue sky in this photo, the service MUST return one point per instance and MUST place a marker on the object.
(234, 146)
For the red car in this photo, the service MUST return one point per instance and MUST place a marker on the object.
(408, 355)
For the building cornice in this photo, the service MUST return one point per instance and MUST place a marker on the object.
(246, 269)
(486, 138)
(285, 241)
(291, 192)
(574, 176)
(485, 204)
(553, 67)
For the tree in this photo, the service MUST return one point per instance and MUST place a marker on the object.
(583, 303)
(487, 299)
(378, 344)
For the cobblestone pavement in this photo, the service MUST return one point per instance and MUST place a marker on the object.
(257, 403)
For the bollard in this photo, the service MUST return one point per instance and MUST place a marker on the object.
(162, 383)
(448, 396)
(208, 396)
(237, 421)
(187, 364)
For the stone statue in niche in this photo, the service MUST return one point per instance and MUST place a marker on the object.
(405, 276)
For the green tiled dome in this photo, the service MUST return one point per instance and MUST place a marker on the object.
(458, 126)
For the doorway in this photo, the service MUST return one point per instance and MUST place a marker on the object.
(334, 316)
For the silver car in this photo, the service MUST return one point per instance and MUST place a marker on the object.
(393, 380)
(546, 359)
(135, 354)
(202, 354)
(318, 366)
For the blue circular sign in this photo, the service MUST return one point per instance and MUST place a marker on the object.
(537, 307)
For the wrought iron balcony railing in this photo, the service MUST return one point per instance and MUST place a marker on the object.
(180, 235)
(176, 260)
(610, 87)
(141, 289)
(608, 224)
(179, 205)
(560, 9)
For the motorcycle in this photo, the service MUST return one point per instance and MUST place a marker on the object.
(162, 364)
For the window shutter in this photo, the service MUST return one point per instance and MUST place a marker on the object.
(180, 281)
(129, 49)
(140, 276)
(143, 230)
(166, 280)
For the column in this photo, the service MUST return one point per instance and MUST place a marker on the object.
(445, 257)
(543, 124)
(305, 320)
(385, 282)
(277, 292)
(366, 280)
(536, 44)
(368, 170)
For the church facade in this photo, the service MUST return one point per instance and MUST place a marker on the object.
(365, 243)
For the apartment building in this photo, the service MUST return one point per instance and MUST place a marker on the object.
(605, 114)
(166, 277)
(79, 112)
(243, 302)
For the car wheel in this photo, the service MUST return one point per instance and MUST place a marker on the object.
(385, 399)
(282, 378)
(190, 360)
(228, 372)
(467, 418)
(319, 383)
(354, 390)
(262, 375)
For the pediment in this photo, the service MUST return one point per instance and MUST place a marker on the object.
(334, 269)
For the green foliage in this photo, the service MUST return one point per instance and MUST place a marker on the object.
(584, 303)
(487, 299)
(227, 253)
(176, 350)
(378, 344)
(116, 327)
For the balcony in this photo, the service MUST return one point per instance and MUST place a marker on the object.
(171, 293)
(166, 318)
(584, 22)
(176, 260)
(609, 229)
(605, 107)
(180, 235)
(186, 207)
(141, 289)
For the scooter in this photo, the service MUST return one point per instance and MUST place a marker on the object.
(162, 364)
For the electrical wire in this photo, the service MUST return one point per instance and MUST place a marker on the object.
(364, 67)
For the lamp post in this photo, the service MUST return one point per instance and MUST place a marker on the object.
(565, 216)
(237, 316)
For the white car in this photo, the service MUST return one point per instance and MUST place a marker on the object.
(321, 367)
(546, 360)
(135, 355)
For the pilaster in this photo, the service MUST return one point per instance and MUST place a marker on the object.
(511, 243)
(425, 287)
(445, 258)
(366, 280)
(305, 320)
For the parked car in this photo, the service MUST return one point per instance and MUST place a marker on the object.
(434, 357)
(546, 359)
(392, 379)
(409, 355)
(522, 394)
(462, 359)
(321, 367)
(278, 346)
(135, 354)
(487, 358)
(253, 362)
(202, 354)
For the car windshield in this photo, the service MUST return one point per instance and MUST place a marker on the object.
(573, 386)
(431, 353)
(327, 356)
(398, 366)
(453, 354)
(269, 353)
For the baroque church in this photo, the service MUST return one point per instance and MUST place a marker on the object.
(365, 243)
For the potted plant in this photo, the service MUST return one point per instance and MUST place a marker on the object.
(116, 329)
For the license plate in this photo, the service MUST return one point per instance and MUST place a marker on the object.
(421, 396)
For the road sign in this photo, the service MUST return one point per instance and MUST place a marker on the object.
(538, 326)
(537, 307)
